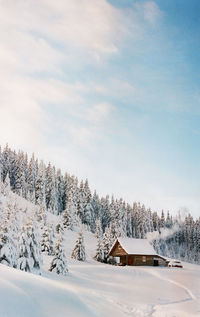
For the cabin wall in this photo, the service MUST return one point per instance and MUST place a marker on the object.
(123, 260)
(142, 260)
(118, 251)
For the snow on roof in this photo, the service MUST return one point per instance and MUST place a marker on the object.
(136, 246)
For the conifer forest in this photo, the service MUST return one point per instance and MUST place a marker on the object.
(27, 233)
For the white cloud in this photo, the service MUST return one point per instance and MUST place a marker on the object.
(37, 24)
(99, 112)
(152, 13)
(81, 135)
(87, 23)
(117, 88)
(38, 37)
(93, 120)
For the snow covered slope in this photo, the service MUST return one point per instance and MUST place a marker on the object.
(92, 289)
(27, 295)
(100, 290)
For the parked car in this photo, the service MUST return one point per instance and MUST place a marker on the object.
(175, 263)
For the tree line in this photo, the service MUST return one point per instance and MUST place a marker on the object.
(107, 217)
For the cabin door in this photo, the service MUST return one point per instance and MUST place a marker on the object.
(155, 262)
(130, 260)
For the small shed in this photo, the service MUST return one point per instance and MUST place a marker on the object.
(136, 252)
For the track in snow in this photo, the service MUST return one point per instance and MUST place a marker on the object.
(158, 310)
(188, 291)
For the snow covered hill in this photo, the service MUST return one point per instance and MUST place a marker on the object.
(100, 290)
(90, 288)
(64, 194)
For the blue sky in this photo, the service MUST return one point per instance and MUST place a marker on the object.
(107, 90)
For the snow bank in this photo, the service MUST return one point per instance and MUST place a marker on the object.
(26, 295)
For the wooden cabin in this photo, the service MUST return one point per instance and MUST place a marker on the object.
(136, 252)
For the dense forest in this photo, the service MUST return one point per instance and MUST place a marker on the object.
(73, 205)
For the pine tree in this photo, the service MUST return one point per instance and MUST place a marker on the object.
(99, 233)
(105, 212)
(79, 249)
(60, 191)
(59, 262)
(66, 189)
(47, 241)
(69, 214)
(7, 185)
(129, 221)
(20, 182)
(162, 220)
(5, 248)
(95, 202)
(41, 216)
(12, 168)
(80, 201)
(25, 261)
(40, 185)
(8, 247)
(13, 228)
(6, 161)
(106, 244)
(31, 178)
(149, 221)
(168, 220)
(51, 190)
(155, 221)
(98, 229)
(141, 221)
(34, 245)
(1, 166)
(59, 227)
(99, 256)
(134, 221)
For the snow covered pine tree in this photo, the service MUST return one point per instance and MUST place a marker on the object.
(79, 250)
(59, 262)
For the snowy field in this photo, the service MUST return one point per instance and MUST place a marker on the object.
(100, 290)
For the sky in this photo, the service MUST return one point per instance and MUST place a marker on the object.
(107, 90)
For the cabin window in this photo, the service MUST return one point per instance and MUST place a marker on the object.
(144, 258)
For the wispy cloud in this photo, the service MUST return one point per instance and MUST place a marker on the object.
(99, 112)
(38, 39)
(36, 26)
(152, 12)
(68, 69)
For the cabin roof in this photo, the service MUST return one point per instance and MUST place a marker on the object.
(136, 246)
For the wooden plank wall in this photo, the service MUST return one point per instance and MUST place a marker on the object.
(137, 260)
